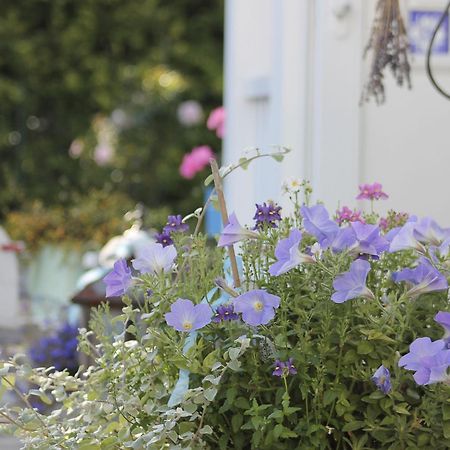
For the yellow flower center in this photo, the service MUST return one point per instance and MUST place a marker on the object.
(187, 326)
(258, 306)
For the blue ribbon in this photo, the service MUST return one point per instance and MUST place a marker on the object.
(182, 384)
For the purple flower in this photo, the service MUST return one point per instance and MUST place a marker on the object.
(404, 238)
(164, 239)
(267, 214)
(288, 254)
(224, 312)
(316, 221)
(234, 232)
(371, 192)
(430, 360)
(257, 306)
(369, 241)
(352, 284)
(382, 379)
(443, 319)
(279, 368)
(174, 223)
(347, 215)
(284, 368)
(427, 231)
(290, 366)
(118, 280)
(154, 258)
(423, 278)
(185, 316)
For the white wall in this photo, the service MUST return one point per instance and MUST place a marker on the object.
(294, 74)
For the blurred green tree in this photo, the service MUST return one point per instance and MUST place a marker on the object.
(104, 78)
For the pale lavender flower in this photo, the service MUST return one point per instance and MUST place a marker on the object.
(288, 254)
(316, 221)
(352, 284)
(368, 239)
(427, 231)
(154, 258)
(430, 360)
(118, 280)
(382, 379)
(423, 278)
(257, 306)
(345, 239)
(404, 238)
(185, 316)
(443, 319)
(234, 232)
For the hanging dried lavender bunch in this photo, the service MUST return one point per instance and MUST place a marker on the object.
(389, 43)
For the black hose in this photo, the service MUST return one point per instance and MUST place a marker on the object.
(429, 52)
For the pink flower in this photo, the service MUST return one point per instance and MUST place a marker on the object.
(371, 192)
(347, 215)
(195, 161)
(216, 121)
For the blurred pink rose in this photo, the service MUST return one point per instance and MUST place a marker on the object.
(195, 161)
(216, 121)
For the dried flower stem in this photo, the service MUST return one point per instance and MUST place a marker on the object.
(224, 214)
(389, 43)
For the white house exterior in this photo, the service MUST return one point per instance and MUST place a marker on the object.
(293, 76)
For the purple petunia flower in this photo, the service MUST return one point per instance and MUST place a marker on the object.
(164, 239)
(427, 231)
(288, 254)
(118, 280)
(382, 379)
(317, 222)
(423, 278)
(404, 238)
(234, 232)
(257, 306)
(267, 214)
(185, 316)
(175, 223)
(347, 215)
(352, 284)
(154, 258)
(225, 312)
(368, 239)
(443, 319)
(284, 368)
(371, 192)
(430, 360)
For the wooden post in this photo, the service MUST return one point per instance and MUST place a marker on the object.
(224, 214)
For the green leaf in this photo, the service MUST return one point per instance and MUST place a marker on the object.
(351, 426)
(234, 353)
(242, 403)
(236, 422)
(210, 393)
(364, 348)
(209, 179)
(401, 409)
(244, 162)
(278, 157)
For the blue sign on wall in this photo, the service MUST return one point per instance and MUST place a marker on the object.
(420, 28)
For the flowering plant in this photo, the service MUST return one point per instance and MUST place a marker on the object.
(316, 335)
